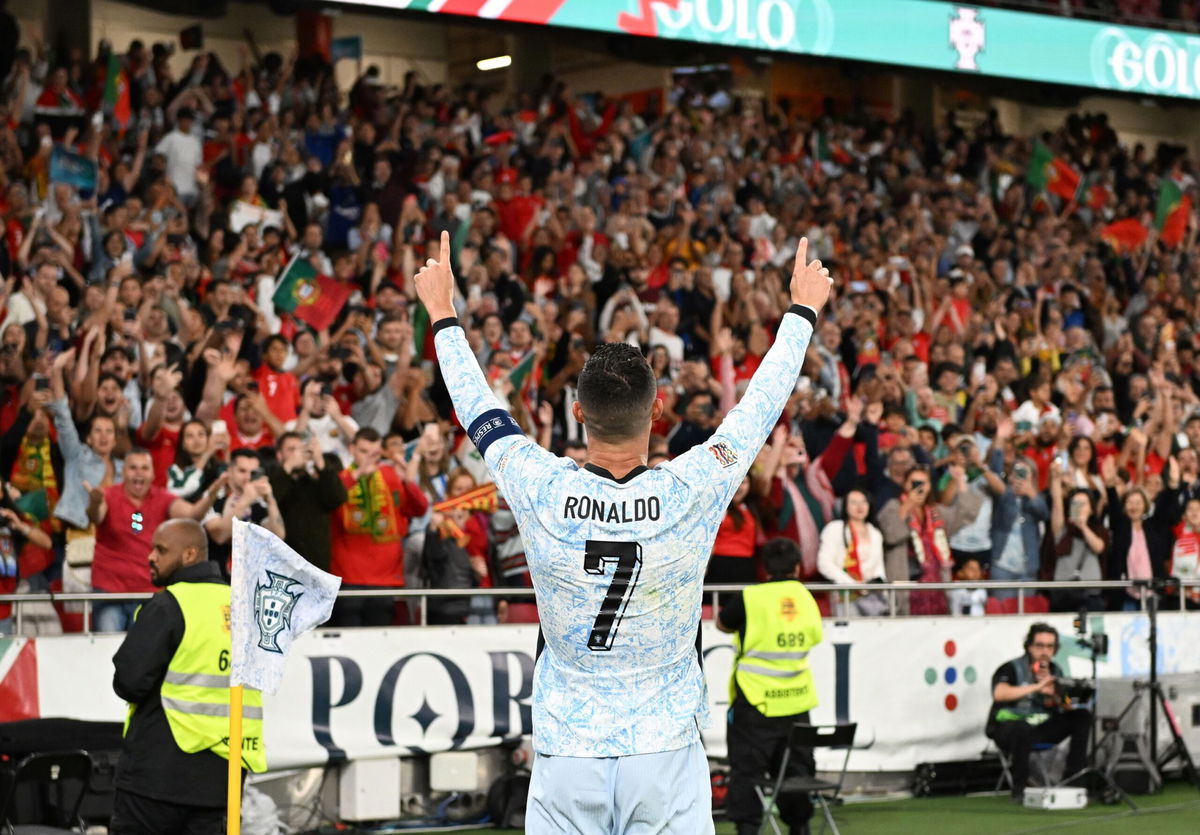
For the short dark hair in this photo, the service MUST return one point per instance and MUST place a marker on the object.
(367, 434)
(285, 437)
(780, 557)
(244, 452)
(616, 392)
(272, 339)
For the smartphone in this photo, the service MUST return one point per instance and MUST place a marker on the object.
(257, 474)
(252, 385)
(41, 383)
(219, 427)
(130, 314)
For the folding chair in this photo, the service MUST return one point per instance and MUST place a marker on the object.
(1037, 769)
(824, 793)
(45, 791)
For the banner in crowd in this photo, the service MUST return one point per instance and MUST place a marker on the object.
(73, 169)
(918, 688)
(910, 33)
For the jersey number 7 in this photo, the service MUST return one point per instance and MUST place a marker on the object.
(626, 560)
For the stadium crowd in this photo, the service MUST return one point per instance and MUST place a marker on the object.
(223, 326)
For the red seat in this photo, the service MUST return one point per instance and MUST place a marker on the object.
(996, 606)
(825, 604)
(706, 612)
(1037, 603)
(522, 613)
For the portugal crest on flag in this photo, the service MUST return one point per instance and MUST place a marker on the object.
(306, 293)
(273, 604)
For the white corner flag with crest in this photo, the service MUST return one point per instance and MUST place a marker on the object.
(276, 596)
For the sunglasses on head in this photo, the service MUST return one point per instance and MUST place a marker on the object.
(916, 485)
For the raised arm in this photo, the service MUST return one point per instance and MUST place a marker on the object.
(742, 433)
(489, 425)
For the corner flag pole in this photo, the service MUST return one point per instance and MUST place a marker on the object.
(233, 812)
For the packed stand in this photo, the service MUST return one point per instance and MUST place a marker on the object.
(209, 313)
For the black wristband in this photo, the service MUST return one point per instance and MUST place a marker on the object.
(448, 322)
(804, 313)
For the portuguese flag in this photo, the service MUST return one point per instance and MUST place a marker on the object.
(116, 92)
(1092, 192)
(309, 296)
(1050, 173)
(1125, 236)
(1171, 219)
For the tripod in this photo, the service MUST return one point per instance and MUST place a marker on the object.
(1178, 748)
(1098, 645)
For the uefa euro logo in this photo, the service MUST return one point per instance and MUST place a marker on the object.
(967, 37)
(273, 604)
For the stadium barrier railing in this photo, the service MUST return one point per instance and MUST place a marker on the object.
(844, 594)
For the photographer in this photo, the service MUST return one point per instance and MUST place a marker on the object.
(1027, 708)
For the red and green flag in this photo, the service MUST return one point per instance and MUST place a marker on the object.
(1171, 219)
(309, 296)
(1125, 236)
(1047, 172)
(116, 92)
(525, 377)
(1092, 192)
(826, 150)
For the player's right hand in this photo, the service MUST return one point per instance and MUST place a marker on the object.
(435, 283)
(810, 281)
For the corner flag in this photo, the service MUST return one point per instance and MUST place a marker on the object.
(275, 596)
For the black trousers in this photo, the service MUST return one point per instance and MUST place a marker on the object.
(756, 744)
(1018, 738)
(363, 611)
(137, 815)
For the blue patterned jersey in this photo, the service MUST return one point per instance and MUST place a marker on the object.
(618, 564)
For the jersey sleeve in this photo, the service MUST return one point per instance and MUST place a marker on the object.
(512, 458)
(721, 462)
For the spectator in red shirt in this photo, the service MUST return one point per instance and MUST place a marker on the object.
(732, 559)
(159, 433)
(279, 388)
(369, 531)
(254, 425)
(126, 516)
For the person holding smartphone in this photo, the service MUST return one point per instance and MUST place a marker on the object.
(916, 536)
(1018, 511)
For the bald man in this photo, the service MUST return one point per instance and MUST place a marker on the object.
(173, 669)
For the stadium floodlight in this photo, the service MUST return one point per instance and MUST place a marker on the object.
(497, 63)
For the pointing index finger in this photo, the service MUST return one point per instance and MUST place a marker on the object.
(444, 258)
(802, 253)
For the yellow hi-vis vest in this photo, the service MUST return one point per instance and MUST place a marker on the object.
(783, 624)
(195, 691)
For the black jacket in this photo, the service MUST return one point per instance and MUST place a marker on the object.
(306, 503)
(151, 764)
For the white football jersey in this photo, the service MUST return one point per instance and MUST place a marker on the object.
(618, 564)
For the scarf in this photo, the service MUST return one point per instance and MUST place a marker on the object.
(850, 563)
(929, 545)
(33, 470)
(370, 509)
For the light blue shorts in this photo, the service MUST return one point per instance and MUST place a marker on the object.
(637, 795)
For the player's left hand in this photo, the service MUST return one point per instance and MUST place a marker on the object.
(435, 283)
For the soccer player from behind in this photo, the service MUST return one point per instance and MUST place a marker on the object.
(617, 554)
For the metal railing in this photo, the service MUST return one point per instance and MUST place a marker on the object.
(842, 592)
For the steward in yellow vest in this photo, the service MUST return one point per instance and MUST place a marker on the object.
(173, 670)
(775, 624)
